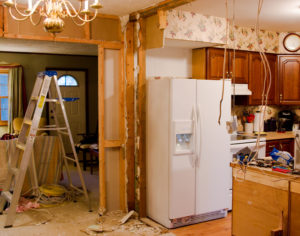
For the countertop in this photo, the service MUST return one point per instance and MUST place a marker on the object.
(275, 135)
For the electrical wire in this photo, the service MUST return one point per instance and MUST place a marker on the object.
(224, 64)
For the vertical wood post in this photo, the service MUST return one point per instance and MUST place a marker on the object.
(130, 156)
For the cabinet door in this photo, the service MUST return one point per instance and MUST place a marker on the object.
(287, 145)
(256, 83)
(239, 67)
(215, 59)
(272, 94)
(270, 145)
(257, 76)
(289, 80)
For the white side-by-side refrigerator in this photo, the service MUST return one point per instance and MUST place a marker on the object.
(188, 152)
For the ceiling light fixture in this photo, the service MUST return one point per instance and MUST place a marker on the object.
(54, 11)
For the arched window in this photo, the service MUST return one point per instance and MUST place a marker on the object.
(67, 81)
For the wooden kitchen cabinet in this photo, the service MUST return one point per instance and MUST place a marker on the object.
(282, 145)
(256, 79)
(289, 79)
(208, 64)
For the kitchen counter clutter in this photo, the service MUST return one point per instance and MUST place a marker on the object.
(276, 135)
(265, 202)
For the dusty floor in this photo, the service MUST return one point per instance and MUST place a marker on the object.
(67, 219)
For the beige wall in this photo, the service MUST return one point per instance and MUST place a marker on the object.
(33, 63)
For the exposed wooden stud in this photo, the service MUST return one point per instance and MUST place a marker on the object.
(130, 117)
(5, 23)
(141, 119)
(164, 5)
(122, 164)
(162, 19)
(1, 21)
(102, 179)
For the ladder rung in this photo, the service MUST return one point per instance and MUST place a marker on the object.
(7, 195)
(62, 132)
(55, 128)
(51, 100)
(70, 158)
(20, 146)
(14, 171)
(28, 122)
(34, 98)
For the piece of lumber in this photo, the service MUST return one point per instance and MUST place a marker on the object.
(162, 19)
(164, 5)
(130, 117)
(141, 119)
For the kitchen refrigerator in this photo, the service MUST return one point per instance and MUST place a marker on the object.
(188, 152)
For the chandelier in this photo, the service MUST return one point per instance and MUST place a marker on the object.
(54, 11)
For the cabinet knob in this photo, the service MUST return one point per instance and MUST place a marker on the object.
(280, 97)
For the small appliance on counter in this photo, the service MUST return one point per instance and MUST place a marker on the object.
(270, 125)
(285, 120)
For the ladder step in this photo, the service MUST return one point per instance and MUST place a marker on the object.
(7, 195)
(27, 122)
(14, 171)
(70, 158)
(20, 146)
(54, 128)
(51, 100)
(34, 98)
(62, 132)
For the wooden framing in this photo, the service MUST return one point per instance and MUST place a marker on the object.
(164, 5)
(141, 118)
(130, 147)
(103, 143)
(1, 21)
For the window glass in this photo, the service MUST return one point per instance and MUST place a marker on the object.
(4, 109)
(67, 80)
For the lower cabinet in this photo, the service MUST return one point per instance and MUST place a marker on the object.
(281, 144)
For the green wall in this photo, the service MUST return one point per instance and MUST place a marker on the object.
(34, 63)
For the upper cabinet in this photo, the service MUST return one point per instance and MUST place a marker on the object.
(289, 79)
(208, 64)
(257, 78)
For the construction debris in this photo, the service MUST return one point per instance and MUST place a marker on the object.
(117, 223)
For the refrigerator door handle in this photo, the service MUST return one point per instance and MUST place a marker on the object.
(195, 121)
(198, 146)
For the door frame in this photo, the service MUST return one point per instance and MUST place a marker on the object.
(103, 143)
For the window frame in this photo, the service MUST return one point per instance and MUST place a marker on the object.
(3, 122)
(65, 75)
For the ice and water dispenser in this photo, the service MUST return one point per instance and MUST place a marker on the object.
(184, 137)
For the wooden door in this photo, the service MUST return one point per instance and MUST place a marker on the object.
(111, 127)
(72, 84)
(215, 60)
(239, 67)
(289, 80)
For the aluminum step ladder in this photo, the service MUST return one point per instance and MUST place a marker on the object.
(22, 158)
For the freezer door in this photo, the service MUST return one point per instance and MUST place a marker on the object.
(212, 171)
(182, 148)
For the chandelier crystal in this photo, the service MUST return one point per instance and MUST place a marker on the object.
(54, 11)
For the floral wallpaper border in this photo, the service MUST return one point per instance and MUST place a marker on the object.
(192, 26)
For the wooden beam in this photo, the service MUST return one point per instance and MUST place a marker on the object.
(141, 119)
(164, 5)
(123, 204)
(106, 44)
(102, 178)
(162, 19)
(1, 21)
(87, 31)
(130, 117)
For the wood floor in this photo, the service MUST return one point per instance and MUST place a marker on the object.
(221, 227)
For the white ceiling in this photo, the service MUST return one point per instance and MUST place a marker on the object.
(277, 15)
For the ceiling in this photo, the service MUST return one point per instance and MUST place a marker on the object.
(276, 15)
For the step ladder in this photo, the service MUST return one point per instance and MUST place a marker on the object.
(46, 84)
